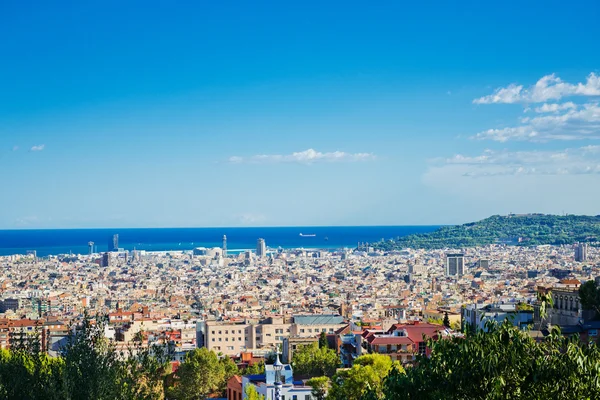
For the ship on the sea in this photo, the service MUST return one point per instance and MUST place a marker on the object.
(307, 235)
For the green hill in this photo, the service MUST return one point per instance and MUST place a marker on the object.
(523, 230)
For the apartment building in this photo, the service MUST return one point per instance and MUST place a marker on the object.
(234, 337)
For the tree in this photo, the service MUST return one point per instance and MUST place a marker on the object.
(320, 387)
(254, 369)
(252, 394)
(589, 293)
(502, 363)
(323, 340)
(229, 369)
(92, 365)
(366, 375)
(199, 375)
(311, 360)
(27, 376)
(446, 321)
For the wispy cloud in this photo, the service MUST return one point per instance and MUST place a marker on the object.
(574, 161)
(549, 87)
(38, 147)
(15, 148)
(566, 121)
(555, 107)
(309, 156)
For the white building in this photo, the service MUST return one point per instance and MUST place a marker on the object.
(265, 385)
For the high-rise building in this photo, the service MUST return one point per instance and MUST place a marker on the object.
(113, 242)
(261, 248)
(455, 264)
(90, 248)
(105, 261)
(581, 251)
(224, 246)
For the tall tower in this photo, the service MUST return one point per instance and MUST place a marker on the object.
(224, 247)
(91, 248)
(261, 248)
(455, 264)
(581, 250)
(113, 242)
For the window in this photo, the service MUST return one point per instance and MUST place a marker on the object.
(239, 331)
(294, 397)
(213, 339)
(307, 397)
(422, 347)
(323, 330)
(301, 330)
(593, 332)
(226, 332)
(229, 347)
(310, 331)
(213, 332)
(239, 339)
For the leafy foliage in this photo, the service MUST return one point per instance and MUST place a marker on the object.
(311, 360)
(323, 340)
(89, 368)
(503, 363)
(366, 375)
(320, 387)
(533, 229)
(252, 394)
(446, 320)
(201, 374)
(589, 294)
(254, 369)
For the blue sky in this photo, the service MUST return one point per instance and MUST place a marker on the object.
(150, 114)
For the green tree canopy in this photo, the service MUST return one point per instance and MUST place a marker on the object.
(323, 340)
(311, 360)
(252, 394)
(366, 375)
(589, 293)
(503, 363)
(201, 374)
(320, 387)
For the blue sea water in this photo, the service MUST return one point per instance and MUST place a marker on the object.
(63, 241)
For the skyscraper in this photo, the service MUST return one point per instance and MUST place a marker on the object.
(224, 248)
(455, 264)
(91, 248)
(261, 248)
(105, 261)
(113, 242)
(581, 250)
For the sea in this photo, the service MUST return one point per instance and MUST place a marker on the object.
(66, 241)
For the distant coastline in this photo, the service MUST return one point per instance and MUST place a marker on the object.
(64, 241)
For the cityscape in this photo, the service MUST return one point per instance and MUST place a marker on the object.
(251, 304)
(307, 200)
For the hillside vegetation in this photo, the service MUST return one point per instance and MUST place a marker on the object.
(523, 230)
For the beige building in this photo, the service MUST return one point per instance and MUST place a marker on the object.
(232, 338)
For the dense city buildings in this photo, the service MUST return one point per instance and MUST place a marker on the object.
(245, 305)
(455, 264)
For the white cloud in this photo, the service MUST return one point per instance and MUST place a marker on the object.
(38, 147)
(549, 87)
(510, 94)
(15, 148)
(575, 161)
(309, 156)
(555, 107)
(577, 122)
